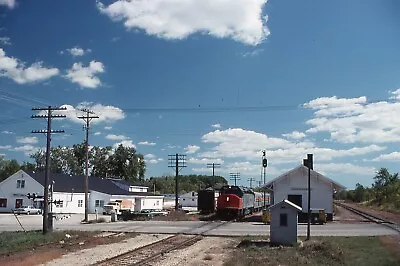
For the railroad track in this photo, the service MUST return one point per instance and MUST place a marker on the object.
(371, 217)
(152, 252)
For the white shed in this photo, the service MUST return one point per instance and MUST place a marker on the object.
(188, 199)
(293, 186)
(283, 223)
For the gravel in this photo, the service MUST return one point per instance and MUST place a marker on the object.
(102, 252)
(208, 251)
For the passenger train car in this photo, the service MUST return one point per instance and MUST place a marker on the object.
(236, 201)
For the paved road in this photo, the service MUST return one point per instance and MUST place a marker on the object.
(9, 223)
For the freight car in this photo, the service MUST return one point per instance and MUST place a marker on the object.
(236, 201)
(206, 202)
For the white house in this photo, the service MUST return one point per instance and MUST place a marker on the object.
(70, 191)
(188, 199)
(293, 185)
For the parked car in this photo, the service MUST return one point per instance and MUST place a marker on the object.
(27, 210)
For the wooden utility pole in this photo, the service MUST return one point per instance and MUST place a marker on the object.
(213, 166)
(87, 118)
(47, 217)
(177, 161)
(234, 176)
(251, 181)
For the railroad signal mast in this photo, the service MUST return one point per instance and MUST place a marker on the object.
(213, 166)
(264, 165)
(234, 176)
(177, 161)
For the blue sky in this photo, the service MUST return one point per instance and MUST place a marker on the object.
(167, 77)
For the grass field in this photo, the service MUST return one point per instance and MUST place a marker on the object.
(318, 251)
(19, 241)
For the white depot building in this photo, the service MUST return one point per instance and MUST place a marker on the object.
(70, 191)
(293, 186)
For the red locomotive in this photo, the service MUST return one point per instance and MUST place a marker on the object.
(235, 201)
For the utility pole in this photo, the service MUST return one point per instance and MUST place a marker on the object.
(87, 118)
(309, 163)
(251, 181)
(47, 217)
(213, 166)
(264, 165)
(178, 161)
(234, 176)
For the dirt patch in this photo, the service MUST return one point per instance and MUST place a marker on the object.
(178, 216)
(343, 215)
(392, 243)
(208, 251)
(51, 251)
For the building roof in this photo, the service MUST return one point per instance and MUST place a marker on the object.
(287, 203)
(67, 183)
(125, 183)
(335, 184)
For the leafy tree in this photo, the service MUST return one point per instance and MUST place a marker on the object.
(8, 168)
(385, 185)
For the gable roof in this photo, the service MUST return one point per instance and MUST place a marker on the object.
(287, 203)
(335, 184)
(69, 184)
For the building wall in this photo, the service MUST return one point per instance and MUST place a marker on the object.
(9, 190)
(296, 183)
(283, 234)
(188, 199)
(152, 202)
(138, 189)
(101, 197)
(72, 202)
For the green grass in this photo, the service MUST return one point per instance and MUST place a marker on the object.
(19, 241)
(318, 251)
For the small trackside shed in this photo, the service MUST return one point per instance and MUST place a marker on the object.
(283, 228)
(293, 184)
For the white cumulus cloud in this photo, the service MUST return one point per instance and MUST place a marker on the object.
(294, 135)
(27, 140)
(147, 143)
(344, 168)
(5, 40)
(14, 69)
(241, 20)
(125, 143)
(8, 3)
(190, 149)
(86, 76)
(390, 157)
(77, 51)
(216, 125)
(116, 137)
(351, 120)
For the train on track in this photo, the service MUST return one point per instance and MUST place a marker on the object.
(232, 201)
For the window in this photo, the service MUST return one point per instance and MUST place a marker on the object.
(80, 203)
(283, 219)
(192, 199)
(20, 183)
(99, 203)
(60, 205)
(157, 202)
(3, 203)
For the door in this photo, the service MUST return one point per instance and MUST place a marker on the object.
(18, 203)
(296, 199)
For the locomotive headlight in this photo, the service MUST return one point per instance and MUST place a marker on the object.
(227, 198)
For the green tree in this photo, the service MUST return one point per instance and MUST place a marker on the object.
(385, 185)
(8, 168)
